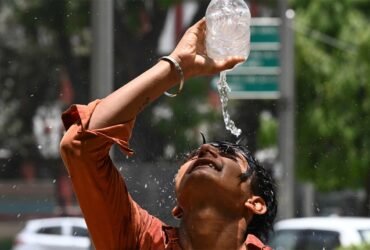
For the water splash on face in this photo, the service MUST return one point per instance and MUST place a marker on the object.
(223, 91)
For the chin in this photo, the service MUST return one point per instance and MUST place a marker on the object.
(198, 186)
(200, 177)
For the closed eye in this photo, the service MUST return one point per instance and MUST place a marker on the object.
(233, 157)
(228, 152)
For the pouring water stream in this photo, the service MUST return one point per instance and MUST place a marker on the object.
(223, 91)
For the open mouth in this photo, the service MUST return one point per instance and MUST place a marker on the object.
(205, 163)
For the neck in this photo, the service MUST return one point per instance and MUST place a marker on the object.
(209, 229)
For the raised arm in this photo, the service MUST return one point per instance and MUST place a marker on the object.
(125, 103)
(115, 221)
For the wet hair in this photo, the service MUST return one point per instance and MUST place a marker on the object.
(262, 184)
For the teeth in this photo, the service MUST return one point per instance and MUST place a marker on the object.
(212, 166)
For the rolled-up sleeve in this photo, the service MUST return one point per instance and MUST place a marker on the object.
(99, 186)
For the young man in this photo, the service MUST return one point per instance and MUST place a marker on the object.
(223, 195)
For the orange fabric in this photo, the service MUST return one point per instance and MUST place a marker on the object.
(253, 243)
(114, 219)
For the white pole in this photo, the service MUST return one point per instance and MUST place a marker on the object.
(102, 48)
(286, 117)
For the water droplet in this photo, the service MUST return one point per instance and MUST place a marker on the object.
(31, 95)
(18, 215)
(146, 185)
(120, 169)
(39, 146)
(14, 186)
(54, 181)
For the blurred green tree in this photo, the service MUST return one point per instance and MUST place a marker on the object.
(355, 247)
(333, 107)
(42, 43)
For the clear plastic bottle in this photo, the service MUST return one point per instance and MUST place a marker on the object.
(228, 29)
(228, 34)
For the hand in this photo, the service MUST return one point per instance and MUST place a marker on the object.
(191, 53)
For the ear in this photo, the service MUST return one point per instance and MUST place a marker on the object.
(256, 205)
(177, 212)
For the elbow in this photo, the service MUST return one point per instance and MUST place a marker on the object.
(70, 146)
(66, 145)
(79, 149)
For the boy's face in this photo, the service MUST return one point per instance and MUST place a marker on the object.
(212, 175)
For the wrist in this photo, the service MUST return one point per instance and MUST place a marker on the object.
(176, 67)
(185, 63)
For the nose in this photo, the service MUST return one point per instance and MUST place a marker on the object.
(207, 149)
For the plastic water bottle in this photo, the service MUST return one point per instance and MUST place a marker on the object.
(228, 29)
(228, 34)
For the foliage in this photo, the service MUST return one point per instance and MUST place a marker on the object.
(333, 107)
(267, 133)
(6, 244)
(357, 247)
(34, 49)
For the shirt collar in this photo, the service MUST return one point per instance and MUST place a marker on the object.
(253, 243)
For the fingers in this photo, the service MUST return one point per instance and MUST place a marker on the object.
(207, 66)
(229, 63)
(201, 24)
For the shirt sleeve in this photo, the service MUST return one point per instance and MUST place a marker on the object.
(114, 220)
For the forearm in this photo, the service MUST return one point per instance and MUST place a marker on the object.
(125, 103)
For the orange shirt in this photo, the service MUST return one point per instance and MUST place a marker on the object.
(114, 219)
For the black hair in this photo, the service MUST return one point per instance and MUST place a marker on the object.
(262, 184)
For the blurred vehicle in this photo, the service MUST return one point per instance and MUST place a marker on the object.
(314, 233)
(61, 233)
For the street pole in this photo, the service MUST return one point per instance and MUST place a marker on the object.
(102, 49)
(286, 180)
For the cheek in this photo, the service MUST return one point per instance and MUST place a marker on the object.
(180, 175)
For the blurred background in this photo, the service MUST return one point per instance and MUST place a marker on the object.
(301, 100)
